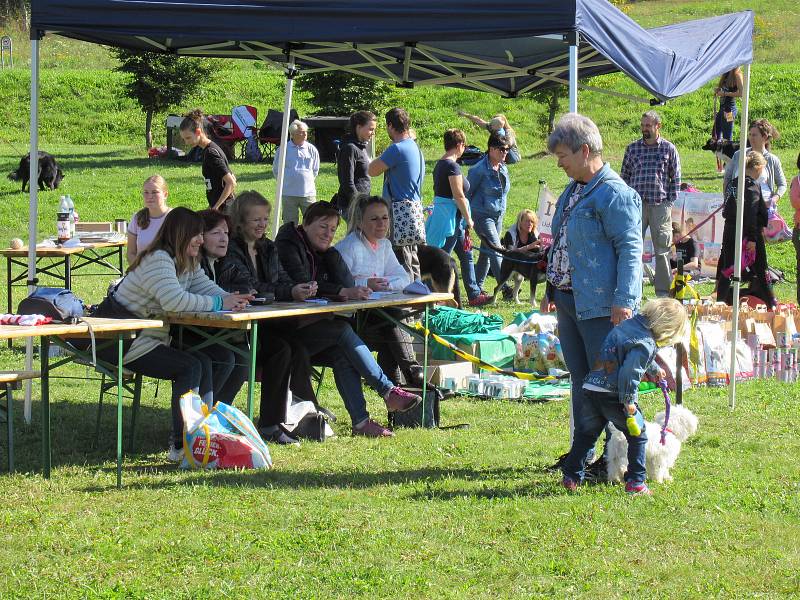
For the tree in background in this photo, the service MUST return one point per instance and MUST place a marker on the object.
(551, 99)
(340, 94)
(160, 81)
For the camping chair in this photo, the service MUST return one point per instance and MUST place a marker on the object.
(269, 134)
(234, 129)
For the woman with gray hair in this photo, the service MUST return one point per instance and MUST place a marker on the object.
(299, 173)
(594, 268)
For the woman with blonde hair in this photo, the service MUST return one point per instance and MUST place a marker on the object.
(146, 222)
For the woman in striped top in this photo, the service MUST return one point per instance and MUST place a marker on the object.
(166, 277)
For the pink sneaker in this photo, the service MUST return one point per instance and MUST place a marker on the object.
(569, 484)
(399, 400)
(372, 429)
(637, 489)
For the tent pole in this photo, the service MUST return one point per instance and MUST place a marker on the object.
(33, 206)
(573, 76)
(287, 107)
(737, 262)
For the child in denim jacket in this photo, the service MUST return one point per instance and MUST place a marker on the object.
(611, 388)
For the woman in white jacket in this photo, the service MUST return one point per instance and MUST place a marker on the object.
(368, 254)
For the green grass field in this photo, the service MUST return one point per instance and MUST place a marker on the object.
(429, 514)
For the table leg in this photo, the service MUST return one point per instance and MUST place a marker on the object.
(68, 272)
(44, 349)
(425, 367)
(8, 292)
(251, 383)
(10, 428)
(119, 410)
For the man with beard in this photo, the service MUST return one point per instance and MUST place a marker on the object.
(653, 168)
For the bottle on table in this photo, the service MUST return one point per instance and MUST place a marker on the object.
(73, 216)
(62, 221)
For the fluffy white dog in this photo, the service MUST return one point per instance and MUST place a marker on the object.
(659, 458)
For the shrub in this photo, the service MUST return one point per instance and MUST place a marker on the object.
(341, 94)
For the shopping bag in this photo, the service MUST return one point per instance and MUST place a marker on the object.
(220, 438)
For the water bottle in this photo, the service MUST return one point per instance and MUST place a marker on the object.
(72, 219)
(62, 221)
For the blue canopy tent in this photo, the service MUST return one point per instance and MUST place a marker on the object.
(506, 49)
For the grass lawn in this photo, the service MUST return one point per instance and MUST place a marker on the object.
(452, 513)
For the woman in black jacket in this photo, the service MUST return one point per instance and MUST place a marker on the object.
(352, 162)
(251, 264)
(754, 219)
(307, 255)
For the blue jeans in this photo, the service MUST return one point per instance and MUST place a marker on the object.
(580, 343)
(598, 409)
(722, 127)
(456, 242)
(352, 360)
(488, 227)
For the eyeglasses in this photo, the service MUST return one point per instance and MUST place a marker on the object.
(503, 149)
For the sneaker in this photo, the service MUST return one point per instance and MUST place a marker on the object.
(399, 400)
(569, 484)
(277, 435)
(372, 428)
(637, 489)
(481, 299)
(597, 472)
(174, 454)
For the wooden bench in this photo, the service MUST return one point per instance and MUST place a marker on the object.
(12, 380)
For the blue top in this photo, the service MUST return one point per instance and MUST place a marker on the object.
(604, 244)
(488, 189)
(403, 180)
(626, 354)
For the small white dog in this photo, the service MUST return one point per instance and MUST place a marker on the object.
(659, 458)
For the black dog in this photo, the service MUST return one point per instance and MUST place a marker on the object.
(529, 264)
(50, 175)
(439, 271)
(723, 149)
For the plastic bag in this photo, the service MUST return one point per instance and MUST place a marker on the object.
(220, 438)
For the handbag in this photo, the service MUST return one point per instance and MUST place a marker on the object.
(416, 417)
(61, 305)
(408, 224)
(111, 308)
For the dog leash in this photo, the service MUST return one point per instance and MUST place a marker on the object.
(10, 144)
(491, 252)
(667, 404)
(703, 222)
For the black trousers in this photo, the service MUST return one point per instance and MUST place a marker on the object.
(393, 345)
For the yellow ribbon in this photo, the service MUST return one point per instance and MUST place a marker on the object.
(477, 361)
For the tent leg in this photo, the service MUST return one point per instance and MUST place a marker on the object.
(737, 262)
(280, 152)
(33, 208)
(573, 77)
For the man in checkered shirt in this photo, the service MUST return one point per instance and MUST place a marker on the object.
(653, 168)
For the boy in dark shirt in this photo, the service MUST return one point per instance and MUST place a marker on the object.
(685, 249)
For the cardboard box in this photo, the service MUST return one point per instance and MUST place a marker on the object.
(439, 370)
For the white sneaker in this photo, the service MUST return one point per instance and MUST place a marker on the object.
(174, 454)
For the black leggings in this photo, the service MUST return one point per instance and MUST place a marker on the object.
(187, 370)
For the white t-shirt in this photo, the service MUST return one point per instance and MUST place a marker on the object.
(147, 235)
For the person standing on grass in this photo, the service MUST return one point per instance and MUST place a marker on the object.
(794, 196)
(403, 169)
(219, 180)
(302, 168)
(489, 185)
(145, 223)
(450, 224)
(652, 167)
(594, 267)
(611, 389)
(352, 162)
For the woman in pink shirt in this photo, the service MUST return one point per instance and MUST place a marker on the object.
(146, 222)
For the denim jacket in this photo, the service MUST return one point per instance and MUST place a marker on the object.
(604, 243)
(488, 189)
(626, 354)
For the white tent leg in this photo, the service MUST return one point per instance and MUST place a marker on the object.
(33, 208)
(737, 262)
(573, 78)
(287, 107)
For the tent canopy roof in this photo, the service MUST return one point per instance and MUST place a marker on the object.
(506, 49)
